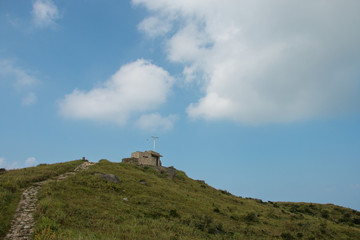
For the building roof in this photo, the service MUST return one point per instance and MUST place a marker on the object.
(154, 153)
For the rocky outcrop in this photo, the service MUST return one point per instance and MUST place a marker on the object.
(108, 177)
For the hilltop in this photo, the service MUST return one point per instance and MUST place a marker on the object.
(160, 203)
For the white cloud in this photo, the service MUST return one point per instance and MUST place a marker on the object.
(29, 99)
(154, 26)
(5, 164)
(135, 88)
(155, 122)
(20, 78)
(265, 61)
(30, 161)
(45, 13)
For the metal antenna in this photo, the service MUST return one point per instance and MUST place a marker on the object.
(154, 141)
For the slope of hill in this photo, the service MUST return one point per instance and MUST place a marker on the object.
(150, 204)
(14, 182)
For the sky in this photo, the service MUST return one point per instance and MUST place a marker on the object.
(259, 98)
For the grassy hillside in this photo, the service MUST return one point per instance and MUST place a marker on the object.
(14, 182)
(148, 204)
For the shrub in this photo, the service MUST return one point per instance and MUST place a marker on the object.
(217, 210)
(42, 164)
(323, 227)
(179, 175)
(287, 236)
(345, 218)
(251, 218)
(356, 221)
(294, 209)
(308, 211)
(174, 213)
(104, 161)
(225, 192)
(203, 223)
(216, 229)
(325, 214)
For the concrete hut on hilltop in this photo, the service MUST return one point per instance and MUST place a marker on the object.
(149, 158)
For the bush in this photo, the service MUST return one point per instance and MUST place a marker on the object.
(251, 218)
(217, 210)
(174, 213)
(216, 229)
(179, 175)
(325, 214)
(323, 228)
(356, 221)
(346, 218)
(287, 236)
(203, 223)
(225, 192)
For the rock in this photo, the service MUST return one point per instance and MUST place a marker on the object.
(170, 171)
(125, 199)
(142, 181)
(108, 177)
(83, 166)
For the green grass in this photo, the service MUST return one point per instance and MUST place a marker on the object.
(84, 206)
(14, 182)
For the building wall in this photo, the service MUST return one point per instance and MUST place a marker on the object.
(145, 158)
(130, 160)
(136, 154)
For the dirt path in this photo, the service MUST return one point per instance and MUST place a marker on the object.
(22, 225)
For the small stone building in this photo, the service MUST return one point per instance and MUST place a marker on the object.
(149, 158)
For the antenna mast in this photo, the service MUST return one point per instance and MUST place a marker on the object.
(154, 141)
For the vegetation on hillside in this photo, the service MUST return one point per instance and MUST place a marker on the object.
(148, 204)
(14, 182)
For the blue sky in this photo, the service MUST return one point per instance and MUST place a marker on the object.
(260, 98)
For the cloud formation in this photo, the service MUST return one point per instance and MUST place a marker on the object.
(21, 80)
(30, 161)
(29, 99)
(45, 13)
(263, 61)
(5, 164)
(136, 88)
(154, 26)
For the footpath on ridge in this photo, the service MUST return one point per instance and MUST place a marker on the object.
(22, 225)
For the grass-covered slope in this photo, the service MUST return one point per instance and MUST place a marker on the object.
(14, 182)
(148, 204)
